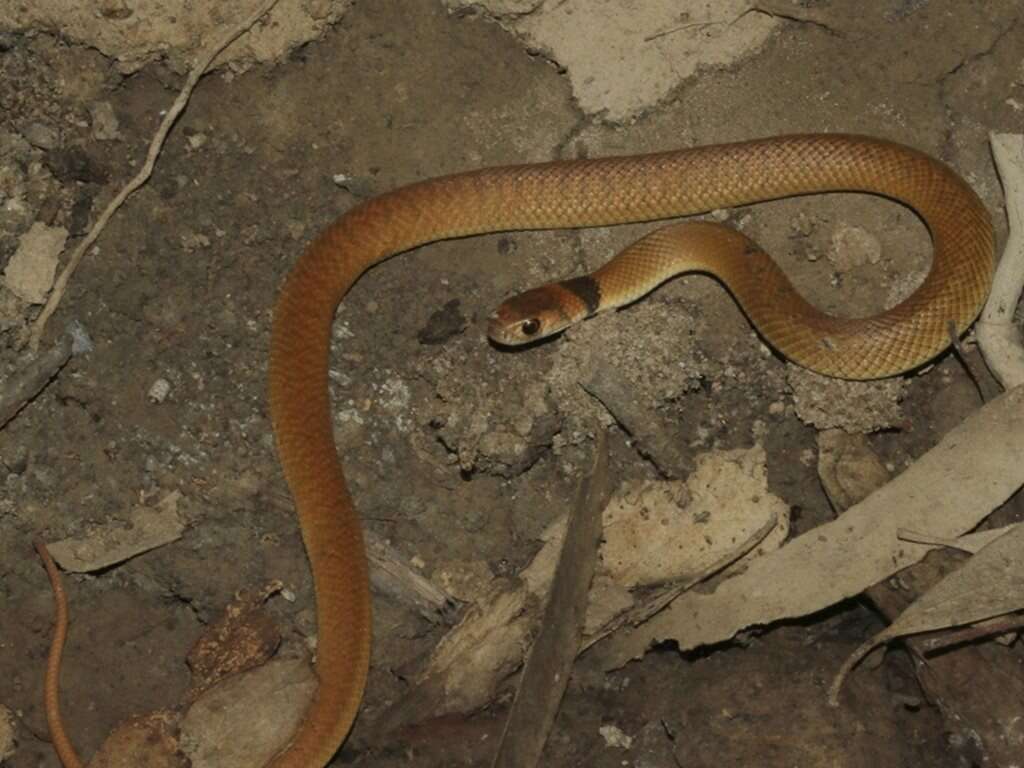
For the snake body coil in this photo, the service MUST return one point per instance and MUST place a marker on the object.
(585, 193)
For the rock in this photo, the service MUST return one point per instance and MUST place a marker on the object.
(29, 274)
(627, 57)
(107, 545)
(657, 532)
(248, 718)
(158, 391)
(104, 122)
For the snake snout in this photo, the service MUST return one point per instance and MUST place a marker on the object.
(512, 331)
(527, 317)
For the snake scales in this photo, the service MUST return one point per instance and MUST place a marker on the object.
(586, 193)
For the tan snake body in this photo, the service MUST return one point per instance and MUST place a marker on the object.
(585, 193)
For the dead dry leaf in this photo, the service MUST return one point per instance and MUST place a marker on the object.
(990, 584)
(948, 491)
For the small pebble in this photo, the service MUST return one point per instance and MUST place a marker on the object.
(81, 343)
(296, 229)
(104, 122)
(615, 737)
(159, 391)
(359, 186)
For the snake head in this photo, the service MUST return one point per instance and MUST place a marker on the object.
(530, 316)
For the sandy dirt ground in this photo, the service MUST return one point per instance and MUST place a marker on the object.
(458, 453)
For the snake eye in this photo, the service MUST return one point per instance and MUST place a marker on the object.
(530, 327)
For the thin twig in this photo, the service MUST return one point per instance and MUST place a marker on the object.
(1000, 625)
(143, 175)
(932, 541)
(673, 30)
(961, 355)
(696, 24)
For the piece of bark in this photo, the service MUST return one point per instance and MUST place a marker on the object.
(977, 688)
(549, 662)
(654, 439)
(113, 543)
(244, 637)
(391, 574)
(19, 389)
